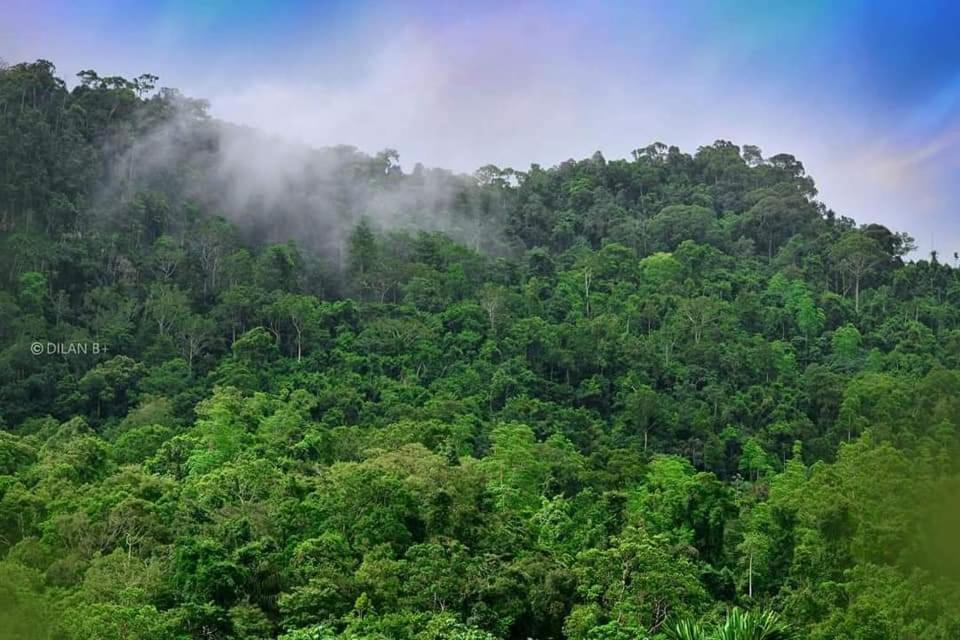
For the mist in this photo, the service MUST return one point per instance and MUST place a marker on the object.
(518, 83)
(275, 190)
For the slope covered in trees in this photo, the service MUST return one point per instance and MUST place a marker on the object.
(625, 399)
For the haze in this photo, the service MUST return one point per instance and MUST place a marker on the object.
(867, 95)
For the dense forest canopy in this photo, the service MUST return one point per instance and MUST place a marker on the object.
(670, 396)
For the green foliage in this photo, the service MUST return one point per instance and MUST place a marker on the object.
(738, 625)
(620, 399)
(846, 343)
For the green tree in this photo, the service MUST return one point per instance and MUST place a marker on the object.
(856, 255)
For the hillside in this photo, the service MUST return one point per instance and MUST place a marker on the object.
(253, 390)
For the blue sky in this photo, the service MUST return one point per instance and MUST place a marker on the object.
(866, 94)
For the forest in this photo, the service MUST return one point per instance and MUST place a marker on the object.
(252, 391)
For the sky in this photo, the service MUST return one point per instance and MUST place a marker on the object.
(865, 94)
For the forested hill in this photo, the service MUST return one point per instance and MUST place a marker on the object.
(250, 390)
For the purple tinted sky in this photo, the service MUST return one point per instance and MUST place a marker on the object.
(866, 94)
